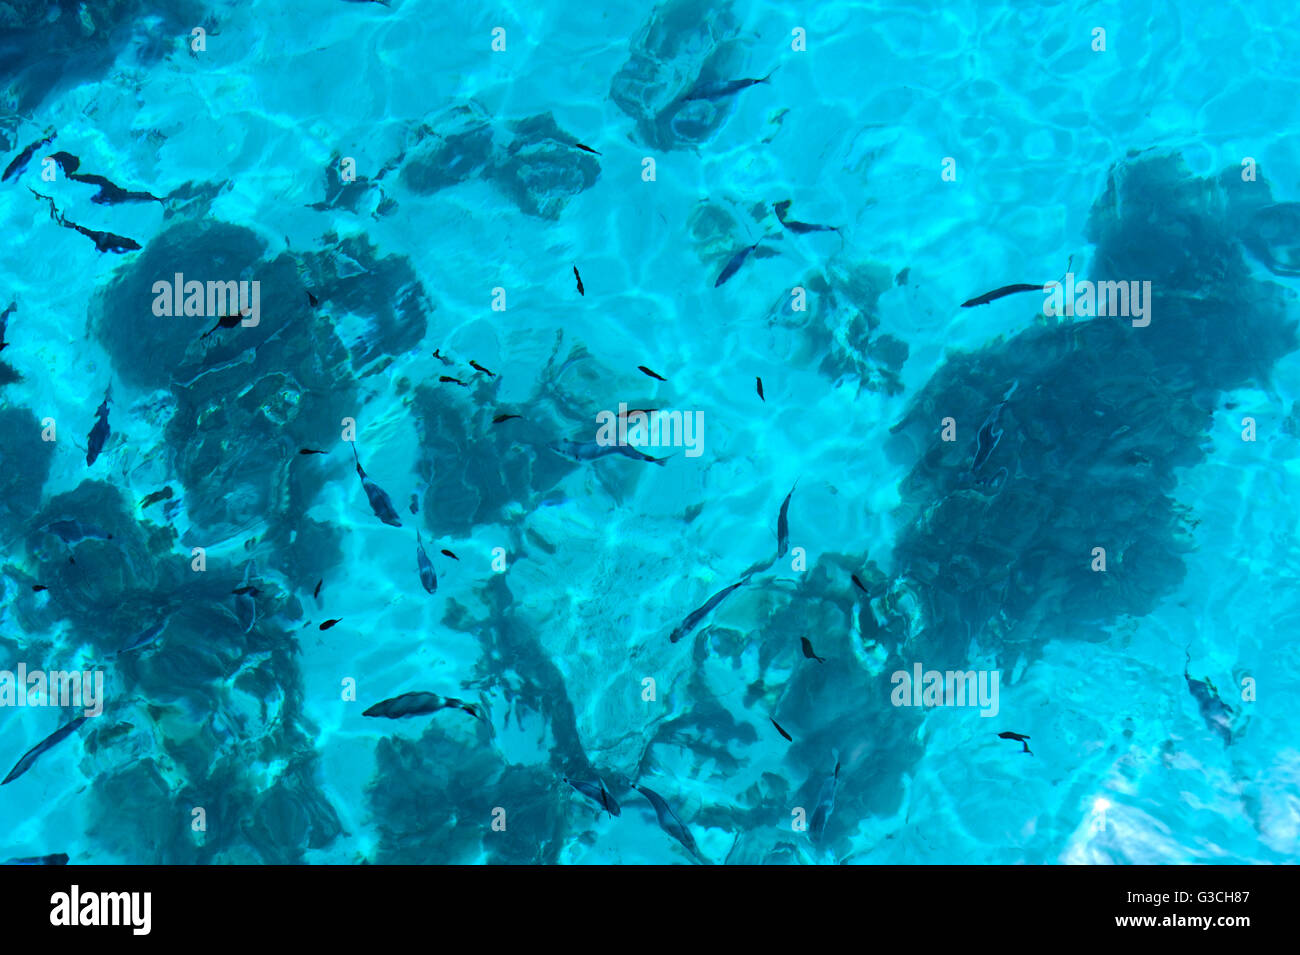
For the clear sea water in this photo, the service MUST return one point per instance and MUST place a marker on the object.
(1127, 163)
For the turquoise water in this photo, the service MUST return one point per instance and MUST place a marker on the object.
(953, 152)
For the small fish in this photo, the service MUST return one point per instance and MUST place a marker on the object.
(644, 411)
(144, 638)
(66, 161)
(417, 704)
(245, 606)
(581, 291)
(1018, 738)
(312, 300)
(23, 158)
(164, 495)
(799, 228)
(448, 553)
(734, 263)
(58, 858)
(783, 525)
(316, 593)
(380, 502)
(590, 150)
(329, 623)
(30, 757)
(477, 367)
(646, 371)
(4, 324)
(990, 435)
(759, 383)
(861, 585)
(225, 321)
(70, 532)
(693, 621)
(998, 293)
(825, 806)
(110, 194)
(425, 566)
(37, 588)
(99, 433)
(442, 358)
(250, 590)
(668, 820)
(597, 793)
(726, 88)
(781, 731)
(808, 650)
(590, 450)
(457, 381)
(505, 417)
(311, 451)
(1218, 715)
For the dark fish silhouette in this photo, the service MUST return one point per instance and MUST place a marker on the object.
(808, 650)
(245, 606)
(442, 358)
(417, 704)
(1018, 738)
(329, 623)
(109, 193)
(225, 321)
(798, 227)
(590, 150)
(144, 638)
(37, 588)
(316, 592)
(427, 578)
(725, 88)
(759, 383)
(597, 793)
(581, 291)
(477, 367)
(505, 417)
(311, 451)
(825, 806)
(251, 590)
(990, 434)
(1217, 714)
(693, 621)
(590, 450)
(164, 495)
(20, 161)
(448, 378)
(783, 525)
(4, 324)
(104, 241)
(668, 820)
(734, 263)
(450, 554)
(781, 731)
(312, 299)
(380, 503)
(30, 757)
(861, 586)
(100, 432)
(58, 858)
(72, 531)
(998, 293)
(646, 371)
